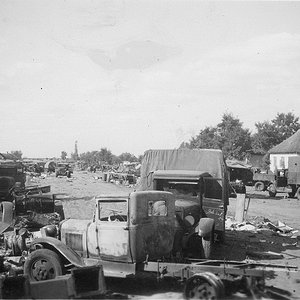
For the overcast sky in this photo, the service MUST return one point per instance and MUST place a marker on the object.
(138, 75)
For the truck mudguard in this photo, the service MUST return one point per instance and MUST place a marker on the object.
(60, 248)
(206, 227)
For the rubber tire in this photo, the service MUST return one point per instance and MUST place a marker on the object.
(272, 190)
(298, 193)
(47, 255)
(204, 286)
(207, 244)
(259, 186)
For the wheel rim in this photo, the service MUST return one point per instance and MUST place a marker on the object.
(199, 288)
(259, 186)
(42, 269)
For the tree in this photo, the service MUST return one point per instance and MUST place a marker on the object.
(99, 157)
(127, 157)
(233, 138)
(17, 154)
(229, 136)
(207, 138)
(140, 158)
(270, 134)
(63, 155)
(184, 145)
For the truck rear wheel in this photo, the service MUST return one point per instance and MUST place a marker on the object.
(204, 286)
(43, 264)
(259, 186)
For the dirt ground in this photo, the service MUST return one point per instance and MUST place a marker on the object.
(77, 196)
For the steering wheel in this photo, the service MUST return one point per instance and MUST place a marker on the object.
(117, 216)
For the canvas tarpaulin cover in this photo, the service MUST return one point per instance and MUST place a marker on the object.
(204, 160)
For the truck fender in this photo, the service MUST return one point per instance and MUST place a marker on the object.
(60, 248)
(206, 227)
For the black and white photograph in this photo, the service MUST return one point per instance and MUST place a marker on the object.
(149, 149)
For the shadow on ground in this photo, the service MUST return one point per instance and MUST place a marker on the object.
(240, 245)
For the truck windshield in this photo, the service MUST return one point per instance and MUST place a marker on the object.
(113, 211)
(181, 189)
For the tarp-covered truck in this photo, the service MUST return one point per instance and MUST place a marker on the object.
(199, 180)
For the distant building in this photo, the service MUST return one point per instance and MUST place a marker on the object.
(279, 155)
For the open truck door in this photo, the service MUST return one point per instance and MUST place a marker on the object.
(215, 201)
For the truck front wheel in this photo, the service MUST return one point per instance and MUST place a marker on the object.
(43, 264)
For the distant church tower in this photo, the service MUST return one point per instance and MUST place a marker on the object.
(76, 157)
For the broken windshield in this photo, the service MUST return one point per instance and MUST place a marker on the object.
(181, 189)
(113, 210)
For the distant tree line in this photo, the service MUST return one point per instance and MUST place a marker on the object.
(237, 142)
(229, 135)
(105, 156)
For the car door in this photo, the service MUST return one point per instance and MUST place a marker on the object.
(111, 230)
(213, 201)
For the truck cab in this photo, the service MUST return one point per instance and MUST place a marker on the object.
(125, 229)
(198, 203)
(124, 234)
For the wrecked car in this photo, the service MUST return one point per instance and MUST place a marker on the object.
(63, 169)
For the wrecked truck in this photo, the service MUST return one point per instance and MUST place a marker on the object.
(199, 180)
(12, 176)
(129, 236)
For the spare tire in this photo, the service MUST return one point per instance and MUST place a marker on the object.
(259, 186)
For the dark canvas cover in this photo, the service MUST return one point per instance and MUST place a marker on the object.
(204, 160)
